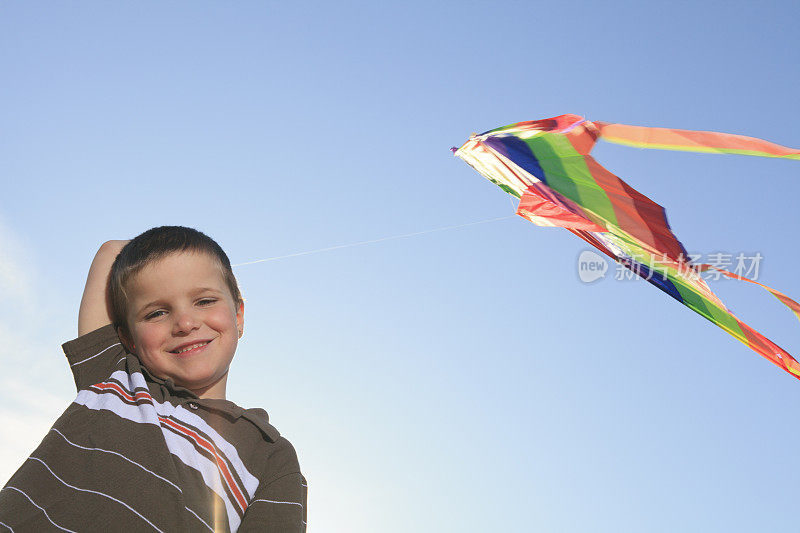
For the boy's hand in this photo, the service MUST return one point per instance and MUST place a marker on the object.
(95, 309)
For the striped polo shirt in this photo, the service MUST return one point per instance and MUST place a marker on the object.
(134, 452)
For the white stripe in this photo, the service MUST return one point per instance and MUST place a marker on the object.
(119, 455)
(142, 414)
(275, 501)
(95, 355)
(40, 508)
(96, 492)
(203, 521)
(9, 527)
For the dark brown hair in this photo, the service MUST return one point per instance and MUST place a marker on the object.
(152, 245)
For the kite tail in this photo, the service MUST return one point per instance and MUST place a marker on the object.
(769, 350)
(713, 309)
(755, 340)
(785, 300)
(707, 305)
(692, 141)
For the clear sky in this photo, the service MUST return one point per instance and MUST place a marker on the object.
(461, 380)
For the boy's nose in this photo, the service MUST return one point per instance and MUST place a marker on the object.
(185, 322)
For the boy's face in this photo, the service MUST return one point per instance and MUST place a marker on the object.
(179, 302)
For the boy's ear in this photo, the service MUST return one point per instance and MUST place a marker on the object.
(240, 318)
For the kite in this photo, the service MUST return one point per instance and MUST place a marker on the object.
(547, 166)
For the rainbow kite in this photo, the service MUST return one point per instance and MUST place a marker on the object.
(546, 164)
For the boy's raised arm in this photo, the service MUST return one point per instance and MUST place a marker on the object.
(95, 310)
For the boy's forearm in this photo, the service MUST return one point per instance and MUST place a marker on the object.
(94, 311)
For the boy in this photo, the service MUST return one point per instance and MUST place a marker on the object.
(150, 443)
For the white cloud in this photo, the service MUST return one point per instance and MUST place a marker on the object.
(34, 389)
(15, 279)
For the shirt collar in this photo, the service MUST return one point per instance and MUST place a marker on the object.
(257, 417)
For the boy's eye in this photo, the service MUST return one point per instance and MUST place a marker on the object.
(158, 313)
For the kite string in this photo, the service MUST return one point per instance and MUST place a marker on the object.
(372, 241)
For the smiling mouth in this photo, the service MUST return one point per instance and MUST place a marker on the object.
(194, 348)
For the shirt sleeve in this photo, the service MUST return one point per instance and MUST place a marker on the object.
(279, 505)
(93, 357)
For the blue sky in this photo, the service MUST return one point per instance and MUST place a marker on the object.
(461, 380)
